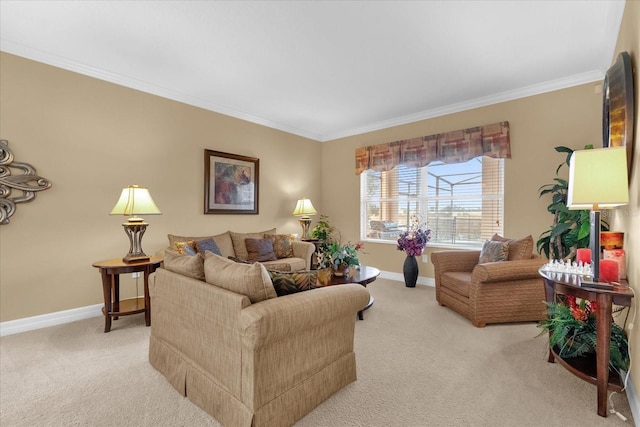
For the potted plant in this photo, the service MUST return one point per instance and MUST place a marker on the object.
(572, 326)
(570, 228)
(339, 257)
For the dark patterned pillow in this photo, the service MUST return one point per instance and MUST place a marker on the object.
(259, 250)
(186, 248)
(290, 283)
(493, 251)
(207, 245)
(281, 245)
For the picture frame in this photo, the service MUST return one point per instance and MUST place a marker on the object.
(230, 183)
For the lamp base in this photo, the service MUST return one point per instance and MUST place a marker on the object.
(135, 228)
(305, 223)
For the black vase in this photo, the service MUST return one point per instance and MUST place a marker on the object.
(410, 270)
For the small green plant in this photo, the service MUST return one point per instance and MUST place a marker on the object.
(323, 231)
(570, 228)
(572, 332)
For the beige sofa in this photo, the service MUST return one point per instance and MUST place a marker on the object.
(233, 244)
(244, 355)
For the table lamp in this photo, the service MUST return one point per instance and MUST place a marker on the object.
(303, 209)
(135, 201)
(597, 179)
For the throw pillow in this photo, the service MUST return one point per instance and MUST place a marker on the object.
(207, 245)
(519, 249)
(239, 246)
(493, 251)
(259, 250)
(185, 248)
(281, 245)
(251, 280)
(191, 266)
(290, 283)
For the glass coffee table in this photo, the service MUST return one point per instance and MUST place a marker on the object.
(362, 275)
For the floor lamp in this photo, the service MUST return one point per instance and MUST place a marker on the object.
(135, 201)
(597, 180)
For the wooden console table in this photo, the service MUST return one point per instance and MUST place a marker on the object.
(110, 270)
(600, 375)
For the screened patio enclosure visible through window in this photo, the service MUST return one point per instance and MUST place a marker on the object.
(462, 203)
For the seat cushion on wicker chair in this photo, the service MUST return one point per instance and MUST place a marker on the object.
(457, 281)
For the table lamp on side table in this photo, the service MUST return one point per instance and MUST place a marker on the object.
(303, 209)
(597, 179)
(135, 201)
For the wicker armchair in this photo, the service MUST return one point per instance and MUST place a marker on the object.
(493, 292)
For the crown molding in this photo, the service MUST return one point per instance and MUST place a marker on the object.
(66, 64)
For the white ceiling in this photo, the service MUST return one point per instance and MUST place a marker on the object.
(323, 69)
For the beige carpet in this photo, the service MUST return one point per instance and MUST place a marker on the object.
(418, 365)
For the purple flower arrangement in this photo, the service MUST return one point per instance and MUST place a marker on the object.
(413, 241)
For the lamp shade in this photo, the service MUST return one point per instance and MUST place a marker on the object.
(304, 208)
(135, 200)
(598, 178)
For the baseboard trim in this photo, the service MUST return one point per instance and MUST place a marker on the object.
(50, 319)
(634, 401)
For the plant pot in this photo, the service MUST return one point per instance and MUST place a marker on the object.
(341, 271)
(410, 270)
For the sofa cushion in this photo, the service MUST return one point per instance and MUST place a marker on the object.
(259, 250)
(190, 266)
(457, 281)
(207, 245)
(251, 280)
(493, 251)
(185, 248)
(289, 283)
(519, 249)
(239, 246)
(223, 241)
(281, 245)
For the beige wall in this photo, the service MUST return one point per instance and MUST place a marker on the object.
(91, 138)
(627, 219)
(570, 117)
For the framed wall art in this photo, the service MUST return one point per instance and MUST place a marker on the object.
(230, 183)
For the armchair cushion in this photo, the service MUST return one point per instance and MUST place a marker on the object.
(493, 251)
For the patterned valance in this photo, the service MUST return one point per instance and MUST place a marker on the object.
(450, 147)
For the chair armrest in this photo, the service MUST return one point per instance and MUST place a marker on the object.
(277, 318)
(507, 270)
(303, 250)
(444, 261)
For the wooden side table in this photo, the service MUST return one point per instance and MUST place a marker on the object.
(600, 375)
(110, 270)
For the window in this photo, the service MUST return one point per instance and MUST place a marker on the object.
(461, 203)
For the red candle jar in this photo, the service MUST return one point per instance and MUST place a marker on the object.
(609, 270)
(583, 255)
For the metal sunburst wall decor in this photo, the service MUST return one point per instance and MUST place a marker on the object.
(28, 183)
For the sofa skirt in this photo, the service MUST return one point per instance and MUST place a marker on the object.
(284, 410)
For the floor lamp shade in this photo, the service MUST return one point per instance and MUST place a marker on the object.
(134, 201)
(597, 179)
(304, 208)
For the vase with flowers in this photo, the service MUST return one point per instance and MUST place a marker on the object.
(412, 242)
